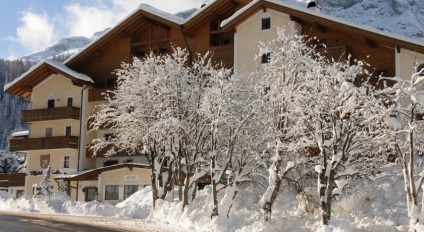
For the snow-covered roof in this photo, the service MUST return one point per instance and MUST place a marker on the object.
(54, 64)
(207, 4)
(20, 133)
(96, 171)
(143, 7)
(165, 15)
(302, 8)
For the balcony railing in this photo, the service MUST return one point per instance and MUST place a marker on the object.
(97, 94)
(338, 53)
(223, 53)
(50, 114)
(12, 179)
(57, 142)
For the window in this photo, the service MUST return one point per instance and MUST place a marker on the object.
(130, 190)
(265, 58)
(129, 161)
(68, 131)
(266, 23)
(110, 162)
(66, 162)
(70, 101)
(50, 103)
(112, 192)
(49, 132)
(420, 69)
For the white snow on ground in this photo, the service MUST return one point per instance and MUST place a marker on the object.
(379, 206)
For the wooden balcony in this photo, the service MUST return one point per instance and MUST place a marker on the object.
(97, 94)
(12, 179)
(338, 53)
(89, 153)
(57, 142)
(224, 53)
(50, 114)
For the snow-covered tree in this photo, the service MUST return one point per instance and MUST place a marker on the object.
(277, 87)
(8, 163)
(228, 108)
(45, 188)
(406, 101)
(154, 111)
(321, 114)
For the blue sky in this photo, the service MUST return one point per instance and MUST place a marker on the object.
(30, 25)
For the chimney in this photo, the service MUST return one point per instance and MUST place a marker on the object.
(314, 6)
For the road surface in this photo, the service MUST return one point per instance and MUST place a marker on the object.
(26, 222)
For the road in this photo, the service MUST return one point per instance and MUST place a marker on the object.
(12, 222)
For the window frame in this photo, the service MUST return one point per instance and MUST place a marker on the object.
(125, 190)
(66, 161)
(111, 196)
(66, 131)
(265, 21)
(50, 103)
(266, 56)
(45, 132)
(70, 102)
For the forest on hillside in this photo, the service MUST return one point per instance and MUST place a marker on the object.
(11, 106)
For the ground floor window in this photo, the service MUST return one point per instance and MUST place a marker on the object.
(130, 190)
(112, 192)
(90, 193)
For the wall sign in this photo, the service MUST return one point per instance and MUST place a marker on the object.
(131, 178)
(44, 161)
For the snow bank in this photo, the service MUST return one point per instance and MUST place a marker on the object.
(379, 206)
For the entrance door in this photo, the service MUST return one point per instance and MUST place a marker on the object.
(90, 193)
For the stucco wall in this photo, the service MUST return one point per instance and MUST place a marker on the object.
(249, 34)
(136, 176)
(407, 61)
(55, 87)
(56, 159)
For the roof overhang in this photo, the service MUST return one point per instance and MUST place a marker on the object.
(140, 18)
(93, 174)
(23, 85)
(299, 13)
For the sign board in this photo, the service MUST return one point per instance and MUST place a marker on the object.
(131, 178)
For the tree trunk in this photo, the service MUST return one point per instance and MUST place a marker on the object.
(154, 188)
(186, 188)
(193, 194)
(214, 189)
(274, 187)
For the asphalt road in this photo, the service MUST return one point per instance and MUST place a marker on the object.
(11, 222)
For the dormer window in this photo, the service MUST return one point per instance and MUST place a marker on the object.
(266, 23)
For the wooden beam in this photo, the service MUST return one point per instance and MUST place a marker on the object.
(125, 34)
(26, 88)
(296, 19)
(370, 42)
(320, 28)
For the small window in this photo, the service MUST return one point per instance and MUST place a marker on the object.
(129, 161)
(68, 131)
(130, 190)
(420, 70)
(66, 162)
(110, 162)
(49, 132)
(266, 23)
(50, 103)
(70, 101)
(265, 58)
(111, 192)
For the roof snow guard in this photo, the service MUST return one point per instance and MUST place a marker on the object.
(23, 85)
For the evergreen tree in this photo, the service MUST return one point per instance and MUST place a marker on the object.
(45, 188)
